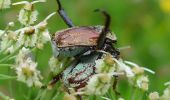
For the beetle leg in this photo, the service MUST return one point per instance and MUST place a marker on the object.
(115, 85)
(54, 80)
(80, 97)
(52, 83)
(105, 30)
(64, 15)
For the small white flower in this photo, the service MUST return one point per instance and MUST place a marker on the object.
(109, 64)
(27, 17)
(154, 96)
(166, 94)
(11, 24)
(23, 55)
(33, 16)
(125, 68)
(42, 38)
(34, 36)
(105, 65)
(138, 68)
(27, 73)
(167, 83)
(53, 62)
(26, 69)
(142, 82)
(98, 84)
(5, 4)
(121, 99)
(7, 43)
(57, 65)
(27, 37)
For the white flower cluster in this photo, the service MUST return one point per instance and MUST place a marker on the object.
(154, 96)
(57, 65)
(26, 69)
(33, 36)
(140, 80)
(164, 96)
(28, 36)
(8, 38)
(5, 4)
(107, 67)
(27, 17)
(98, 84)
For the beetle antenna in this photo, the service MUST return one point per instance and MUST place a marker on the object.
(64, 15)
(105, 30)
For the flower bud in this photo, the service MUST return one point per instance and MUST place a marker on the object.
(154, 96)
(30, 30)
(11, 24)
(28, 7)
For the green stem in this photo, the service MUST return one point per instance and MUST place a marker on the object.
(11, 55)
(9, 65)
(55, 97)
(43, 94)
(5, 77)
(5, 58)
(39, 94)
(141, 95)
(134, 93)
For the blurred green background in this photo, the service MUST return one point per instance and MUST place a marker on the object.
(142, 24)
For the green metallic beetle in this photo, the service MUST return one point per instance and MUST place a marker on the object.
(82, 43)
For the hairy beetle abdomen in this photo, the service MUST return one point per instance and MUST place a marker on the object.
(77, 76)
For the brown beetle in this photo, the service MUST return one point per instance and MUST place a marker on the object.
(77, 41)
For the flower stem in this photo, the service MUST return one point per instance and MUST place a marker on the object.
(134, 93)
(9, 65)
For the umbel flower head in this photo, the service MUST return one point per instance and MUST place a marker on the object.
(26, 69)
(5, 4)
(109, 64)
(28, 15)
(140, 80)
(33, 36)
(106, 65)
(99, 84)
(166, 94)
(154, 96)
(106, 68)
(8, 38)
